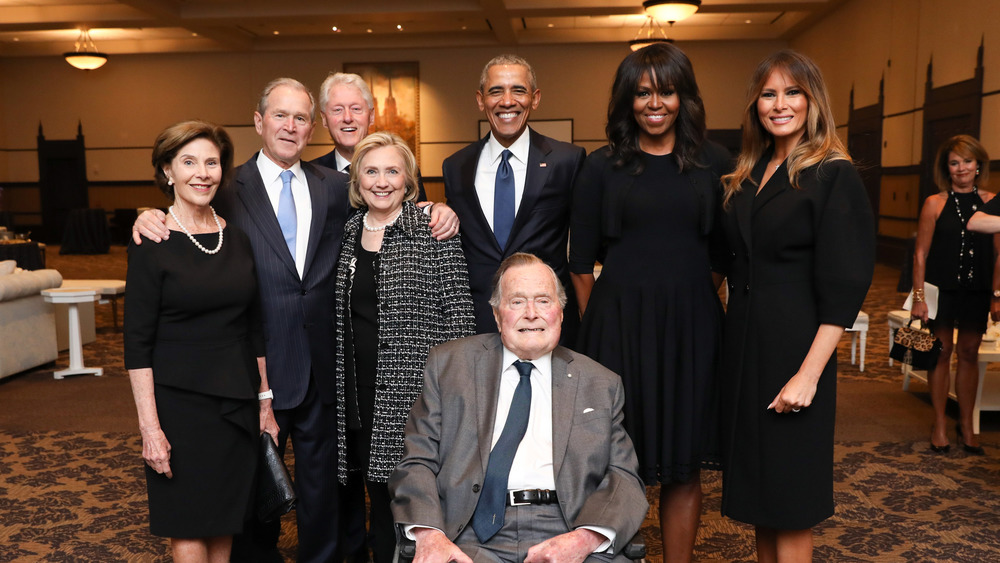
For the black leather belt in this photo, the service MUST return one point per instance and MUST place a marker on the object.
(531, 496)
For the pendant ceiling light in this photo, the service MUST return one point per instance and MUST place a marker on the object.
(671, 10)
(86, 56)
(648, 38)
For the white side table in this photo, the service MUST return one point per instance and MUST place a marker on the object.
(71, 297)
(860, 328)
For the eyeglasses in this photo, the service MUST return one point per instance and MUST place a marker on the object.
(339, 110)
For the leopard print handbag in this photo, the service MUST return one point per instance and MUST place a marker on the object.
(918, 348)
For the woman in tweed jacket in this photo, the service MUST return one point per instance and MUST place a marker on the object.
(399, 292)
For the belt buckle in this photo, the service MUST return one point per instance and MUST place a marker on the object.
(510, 498)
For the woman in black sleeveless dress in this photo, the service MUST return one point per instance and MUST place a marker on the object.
(961, 263)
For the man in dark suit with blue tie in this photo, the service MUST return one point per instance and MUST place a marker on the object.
(294, 214)
(512, 189)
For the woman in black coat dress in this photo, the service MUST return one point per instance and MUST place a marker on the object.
(801, 231)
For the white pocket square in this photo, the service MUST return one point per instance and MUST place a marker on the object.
(588, 409)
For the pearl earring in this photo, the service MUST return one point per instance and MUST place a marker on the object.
(170, 181)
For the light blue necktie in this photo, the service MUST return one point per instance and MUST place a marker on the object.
(489, 515)
(286, 211)
(503, 200)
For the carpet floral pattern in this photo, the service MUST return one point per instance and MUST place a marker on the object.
(80, 495)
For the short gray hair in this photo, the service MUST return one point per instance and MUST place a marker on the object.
(517, 260)
(507, 59)
(347, 79)
(291, 83)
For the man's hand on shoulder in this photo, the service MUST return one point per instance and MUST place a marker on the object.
(571, 547)
(444, 222)
(152, 224)
(434, 547)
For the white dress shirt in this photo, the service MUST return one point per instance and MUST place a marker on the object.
(342, 162)
(486, 171)
(270, 173)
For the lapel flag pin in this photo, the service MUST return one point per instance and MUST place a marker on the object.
(541, 165)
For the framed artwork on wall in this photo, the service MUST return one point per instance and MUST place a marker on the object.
(396, 89)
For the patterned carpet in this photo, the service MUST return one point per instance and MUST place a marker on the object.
(71, 484)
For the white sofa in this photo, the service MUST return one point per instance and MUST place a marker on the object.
(27, 322)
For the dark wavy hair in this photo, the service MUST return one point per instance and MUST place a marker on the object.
(667, 66)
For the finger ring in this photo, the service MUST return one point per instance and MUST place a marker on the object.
(796, 410)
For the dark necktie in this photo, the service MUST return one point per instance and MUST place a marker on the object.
(488, 517)
(347, 170)
(503, 200)
(286, 211)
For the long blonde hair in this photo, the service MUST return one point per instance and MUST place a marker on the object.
(820, 142)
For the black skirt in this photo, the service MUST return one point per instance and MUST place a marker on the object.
(964, 309)
(213, 459)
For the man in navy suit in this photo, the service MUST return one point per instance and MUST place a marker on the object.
(295, 274)
(347, 108)
(535, 219)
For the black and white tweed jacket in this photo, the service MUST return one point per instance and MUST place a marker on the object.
(423, 300)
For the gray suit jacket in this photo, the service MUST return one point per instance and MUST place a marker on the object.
(450, 428)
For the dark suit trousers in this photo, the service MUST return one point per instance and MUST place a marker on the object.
(313, 429)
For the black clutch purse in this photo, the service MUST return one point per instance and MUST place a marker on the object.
(917, 348)
(275, 493)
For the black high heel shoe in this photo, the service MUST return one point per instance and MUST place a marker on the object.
(939, 449)
(975, 450)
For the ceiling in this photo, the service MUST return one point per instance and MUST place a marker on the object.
(47, 27)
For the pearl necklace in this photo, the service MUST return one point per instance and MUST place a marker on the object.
(217, 248)
(371, 229)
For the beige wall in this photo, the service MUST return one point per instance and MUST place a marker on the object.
(864, 40)
(125, 104)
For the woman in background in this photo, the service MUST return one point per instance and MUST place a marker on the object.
(399, 293)
(194, 351)
(962, 265)
(651, 198)
(801, 230)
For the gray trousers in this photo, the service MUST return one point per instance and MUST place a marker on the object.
(523, 527)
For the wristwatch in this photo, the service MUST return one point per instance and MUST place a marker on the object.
(269, 394)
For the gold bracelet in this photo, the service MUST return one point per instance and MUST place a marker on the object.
(918, 295)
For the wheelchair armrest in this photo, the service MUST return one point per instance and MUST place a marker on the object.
(406, 550)
(635, 549)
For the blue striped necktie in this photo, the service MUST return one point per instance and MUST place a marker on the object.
(503, 200)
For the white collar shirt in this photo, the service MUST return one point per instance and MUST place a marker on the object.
(532, 465)
(342, 162)
(270, 173)
(486, 171)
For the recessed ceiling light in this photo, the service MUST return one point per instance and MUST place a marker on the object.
(276, 32)
(399, 27)
(194, 35)
(16, 39)
(369, 30)
(551, 25)
(464, 27)
(335, 28)
(748, 21)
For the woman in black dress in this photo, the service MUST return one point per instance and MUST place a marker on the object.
(650, 200)
(194, 352)
(400, 292)
(802, 236)
(961, 264)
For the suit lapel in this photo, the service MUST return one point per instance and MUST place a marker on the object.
(319, 194)
(254, 198)
(776, 184)
(487, 378)
(467, 176)
(564, 387)
(535, 177)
